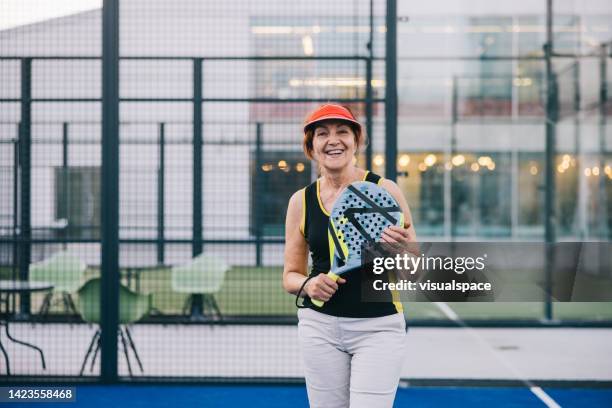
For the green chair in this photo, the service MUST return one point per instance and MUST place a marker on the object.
(64, 271)
(132, 307)
(201, 278)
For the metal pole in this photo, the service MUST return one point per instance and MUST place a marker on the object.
(64, 145)
(391, 92)
(25, 165)
(196, 247)
(580, 207)
(603, 100)
(551, 122)
(604, 233)
(65, 181)
(109, 305)
(258, 193)
(197, 301)
(15, 268)
(161, 194)
(368, 114)
(368, 106)
(448, 202)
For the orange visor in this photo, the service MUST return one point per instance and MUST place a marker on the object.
(330, 111)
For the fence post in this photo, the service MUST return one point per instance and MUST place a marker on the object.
(552, 113)
(603, 101)
(65, 179)
(604, 233)
(161, 194)
(391, 92)
(581, 207)
(109, 305)
(369, 114)
(196, 247)
(450, 216)
(15, 266)
(369, 92)
(25, 165)
(258, 193)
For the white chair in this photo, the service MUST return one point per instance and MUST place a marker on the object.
(64, 271)
(201, 278)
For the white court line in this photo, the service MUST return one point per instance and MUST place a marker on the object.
(537, 391)
(546, 399)
(446, 309)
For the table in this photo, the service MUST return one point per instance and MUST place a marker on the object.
(132, 273)
(14, 288)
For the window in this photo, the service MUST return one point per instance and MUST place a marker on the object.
(481, 194)
(77, 201)
(421, 177)
(316, 79)
(274, 179)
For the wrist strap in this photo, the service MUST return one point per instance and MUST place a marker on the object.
(297, 297)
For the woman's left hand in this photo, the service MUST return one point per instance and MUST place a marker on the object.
(400, 239)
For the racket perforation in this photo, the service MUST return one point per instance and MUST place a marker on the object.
(361, 213)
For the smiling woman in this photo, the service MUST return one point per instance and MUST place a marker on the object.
(361, 351)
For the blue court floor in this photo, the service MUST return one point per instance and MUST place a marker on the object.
(294, 396)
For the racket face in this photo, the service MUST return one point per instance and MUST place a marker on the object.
(360, 215)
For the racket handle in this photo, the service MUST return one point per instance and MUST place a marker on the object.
(320, 303)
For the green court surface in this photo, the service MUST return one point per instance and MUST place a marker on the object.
(253, 291)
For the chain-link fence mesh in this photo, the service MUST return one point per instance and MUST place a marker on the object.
(212, 98)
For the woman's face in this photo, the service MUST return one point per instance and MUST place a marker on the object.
(333, 145)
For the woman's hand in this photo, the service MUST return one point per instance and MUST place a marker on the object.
(400, 240)
(322, 287)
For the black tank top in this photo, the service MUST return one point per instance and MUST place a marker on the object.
(346, 302)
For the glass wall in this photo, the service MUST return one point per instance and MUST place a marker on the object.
(472, 108)
(472, 113)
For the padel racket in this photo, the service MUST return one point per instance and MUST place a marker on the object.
(360, 215)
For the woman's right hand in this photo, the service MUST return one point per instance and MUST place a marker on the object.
(322, 287)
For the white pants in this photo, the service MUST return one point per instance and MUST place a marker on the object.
(351, 362)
